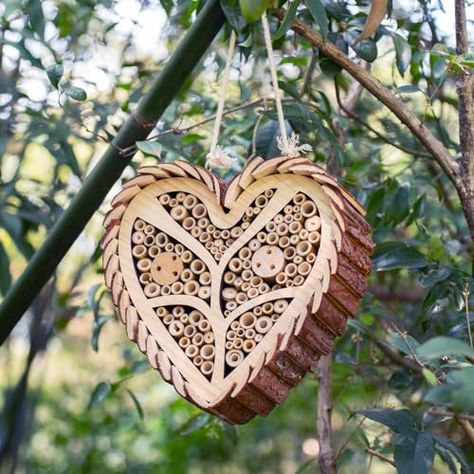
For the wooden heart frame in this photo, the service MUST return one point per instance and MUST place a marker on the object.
(312, 314)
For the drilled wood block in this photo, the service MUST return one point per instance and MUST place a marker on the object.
(234, 290)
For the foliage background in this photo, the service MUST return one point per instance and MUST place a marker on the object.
(77, 397)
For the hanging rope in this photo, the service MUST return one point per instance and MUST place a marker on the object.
(289, 147)
(218, 157)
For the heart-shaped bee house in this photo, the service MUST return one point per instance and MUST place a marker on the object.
(234, 291)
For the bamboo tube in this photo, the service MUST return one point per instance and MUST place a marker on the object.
(177, 311)
(188, 223)
(288, 209)
(295, 240)
(149, 229)
(263, 288)
(209, 337)
(281, 278)
(189, 201)
(184, 318)
(186, 275)
(267, 308)
(145, 278)
(257, 311)
(199, 211)
(229, 278)
(299, 199)
(178, 249)
(314, 237)
(169, 247)
(173, 202)
(234, 358)
(197, 267)
(210, 246)
(261, 201)
(308, 209)
(216, 234)
(311, 257)
(235, 264)
(256, 211)
(263, 324)
(246, 264)
(298, 280)
(207, 367)
(252, 293)
(296, 208)
(276, 287)
(197, 361)
(289, 283)
(204, 325)
(303, 234)
(237, 343)
(186, 256)
(229, 345)
(272, 238)
(222, 248)
(195, 317)
(197, 338)
(254, 245)
(297, 217)
(304, 268)
(138, 237)
(298, 259)
(161, 312)
(289, 253)
(282, 229)
(205, 278)
(295, 227)
(180, 197)
(238, 282)
(225, 234)
(229, 294)
(231, 335)
(313, 223)
(303, 248)
(204, 292)
(154, 251)
(249, 345)
(258, 337)
(278, 219)
(177, 288)
(226, 313)
(291, 270)
(245, 225)
(234, 325)
(245, 286)
(268, 193)
(191, 351)
(284, 242)
(165, 290)
(256, 281)
(218, 256)
(139, 251)
(262, 237)
(241, 298)
(176, 328)
(288, 219)
(168, 319)
(247, 320)
(152, 290)
(249, 333)
(191, 288)
(279, 306)
(207, 352)
(270, 227)
(196, 232)
(204, 237)
(139, 224)
(231, 305)
(164, 199)
(236, 232)
(184, 342)
(275, 317)
(247, 275)
(144, 265)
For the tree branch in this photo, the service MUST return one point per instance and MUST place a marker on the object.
(110, 167)
(395, 104)
(327, 459)
(372, 452)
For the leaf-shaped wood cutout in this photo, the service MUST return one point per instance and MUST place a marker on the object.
(378, 9)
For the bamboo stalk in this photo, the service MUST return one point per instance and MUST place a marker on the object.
(151, 107)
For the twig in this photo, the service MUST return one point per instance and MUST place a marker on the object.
(466, 294)
(309, 73)
(460, 416)
(327, 459)
(467, 428)
(372, 452)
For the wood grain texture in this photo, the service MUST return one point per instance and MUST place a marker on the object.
(234, 290)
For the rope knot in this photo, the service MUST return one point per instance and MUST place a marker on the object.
(220, 158)
(292, 149)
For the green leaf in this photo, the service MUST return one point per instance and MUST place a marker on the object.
(402, 53)
(137, 404)
(446, 443)
(97, 326)
(318, 12)
(429, 376)
(194, 424)
(442, 346)
(366, 50)
(233, 15)
(100, 393)
(287, 21)
(150, 148)
(408, 90)
(252, 10)
(399, 421)
(414, 452)
(5, 276)
(267, 139)
(404, 343)
(396, 255)
(55, 73)
(76, 93)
